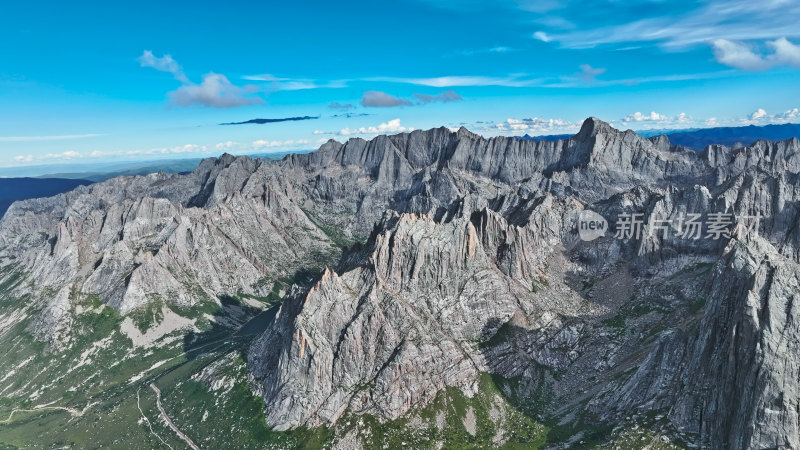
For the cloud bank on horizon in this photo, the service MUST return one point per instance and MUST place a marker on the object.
(105, 91)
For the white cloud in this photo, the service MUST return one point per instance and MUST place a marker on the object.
(736, 54)
(392, 126)
(762, 117)
(228, 145)
(785, 52)
(712, 122)
(65, 155)
(639, 117)
(263, 143)
(758, 114)
(654, 118)
(745, 57)
(541, 36)
(789, 115)
(215, 91)
(378, 99)
(536, 125)
(163, 64)
(45, 138)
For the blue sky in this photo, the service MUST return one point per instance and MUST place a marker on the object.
(97, 81)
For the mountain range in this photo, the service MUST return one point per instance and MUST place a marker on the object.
(427, 289)
(700, 138)
(13, 189)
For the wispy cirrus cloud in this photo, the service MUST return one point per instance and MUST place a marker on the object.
(579, 81)
(70, 155)
(541, 36)
(46, 138)
(684, 25)
(518, 80)
(585, 77)
(295, 84)
(734, 29)
(500, 49)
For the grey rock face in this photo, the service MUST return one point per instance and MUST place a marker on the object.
(180, 239)
(733, 380)
(386, 336)
(498, 184)
(471, 263)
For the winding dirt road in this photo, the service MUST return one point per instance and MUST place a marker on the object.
(169, 421)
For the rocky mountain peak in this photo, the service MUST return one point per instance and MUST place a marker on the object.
(464, 133)
(593, 126)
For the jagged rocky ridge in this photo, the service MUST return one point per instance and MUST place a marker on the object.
(472, 264)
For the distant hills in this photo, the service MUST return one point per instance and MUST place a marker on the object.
(13, 189)
(100, 171)
(97, 174)
(698, 139)
(104, 170)
(20, 183)
(548, 137)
